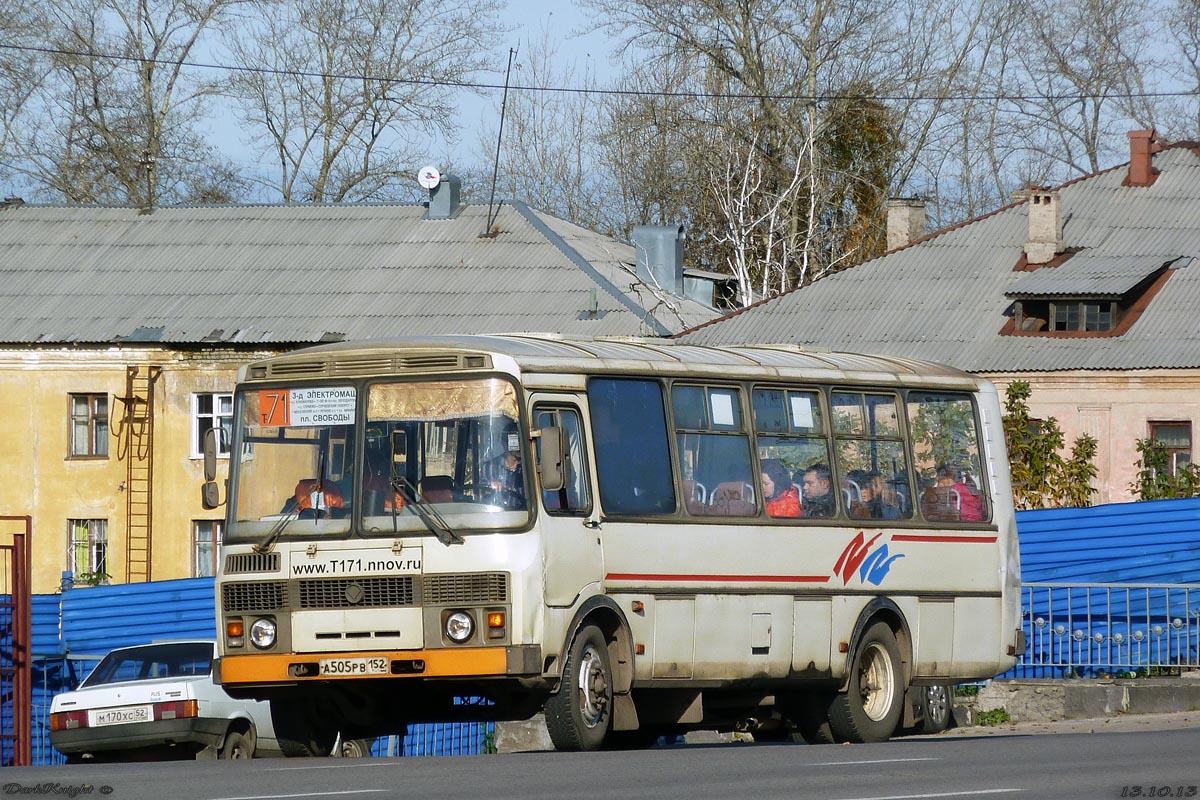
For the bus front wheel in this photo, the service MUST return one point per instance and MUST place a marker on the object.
(578, 716)
(870, 708)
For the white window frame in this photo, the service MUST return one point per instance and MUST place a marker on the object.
(213, 419)
(96, 542)
(213, 528)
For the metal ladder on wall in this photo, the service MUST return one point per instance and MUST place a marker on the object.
(136, 446)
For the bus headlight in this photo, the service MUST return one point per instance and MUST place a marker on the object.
(459, 626)
(262, 633)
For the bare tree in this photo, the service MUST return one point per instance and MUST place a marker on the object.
(23, 70)
(1085, 61)
(548, 152)
(118, 118)
(343, 93)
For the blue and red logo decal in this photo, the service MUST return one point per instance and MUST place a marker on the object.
(872, 563)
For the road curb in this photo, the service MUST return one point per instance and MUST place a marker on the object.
(1055, 700)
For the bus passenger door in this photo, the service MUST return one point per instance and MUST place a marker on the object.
(571, 551)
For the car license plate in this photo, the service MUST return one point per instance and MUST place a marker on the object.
(120, 716)
(354, 666)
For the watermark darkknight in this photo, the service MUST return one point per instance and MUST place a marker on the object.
(55, 789)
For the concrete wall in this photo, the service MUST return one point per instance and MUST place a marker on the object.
(43, 481)
(1116, 408)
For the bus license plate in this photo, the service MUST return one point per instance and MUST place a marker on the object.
(354, 666)
(120, 716)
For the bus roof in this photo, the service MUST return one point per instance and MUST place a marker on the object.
(551, 353)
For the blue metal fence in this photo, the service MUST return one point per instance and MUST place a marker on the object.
(1110, 590)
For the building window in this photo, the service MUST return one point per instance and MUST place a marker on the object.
(1058, 316)
(211, 411)
(89, 425)
(206, 534)
(1176, 439)
(1077, 315)
(88, 554)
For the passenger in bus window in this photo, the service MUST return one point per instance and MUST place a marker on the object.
(503, 474)
(951, 499)
(871, 503)
(818, 497)
(783, 500)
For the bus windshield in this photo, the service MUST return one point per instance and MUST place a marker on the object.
(295, 469)
(453, 447)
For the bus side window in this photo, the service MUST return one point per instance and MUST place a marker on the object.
(629, 434)
(574, 496)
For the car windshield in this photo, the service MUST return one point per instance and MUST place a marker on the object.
(176, 660)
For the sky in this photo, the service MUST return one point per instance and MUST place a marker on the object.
(474, 112)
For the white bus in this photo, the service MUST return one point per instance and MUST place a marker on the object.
(640, 537)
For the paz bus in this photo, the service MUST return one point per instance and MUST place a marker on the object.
(639, 537)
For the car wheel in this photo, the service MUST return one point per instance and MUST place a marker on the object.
(578, 716)
(938, 708)
(237, 746)
(870, 708)
(357, 748)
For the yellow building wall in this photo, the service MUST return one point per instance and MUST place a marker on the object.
(1117, 408)
(43, 481)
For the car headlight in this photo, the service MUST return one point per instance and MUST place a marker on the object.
(262, 633)
(459, 626)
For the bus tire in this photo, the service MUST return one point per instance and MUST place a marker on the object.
(870, 708)
(811, 716)
(579, 714)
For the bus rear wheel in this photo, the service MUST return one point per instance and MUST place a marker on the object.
(870, 708)
(579, 715)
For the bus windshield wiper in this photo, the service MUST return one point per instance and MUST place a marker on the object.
(265, 545)
(423, 509)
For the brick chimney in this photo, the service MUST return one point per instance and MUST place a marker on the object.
(1142, 146)
(905, 221)
(1045, 226)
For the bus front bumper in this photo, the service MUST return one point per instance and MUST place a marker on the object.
(280, 668)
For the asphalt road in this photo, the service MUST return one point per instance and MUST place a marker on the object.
(1153, 759)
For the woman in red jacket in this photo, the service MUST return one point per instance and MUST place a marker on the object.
(783, 499)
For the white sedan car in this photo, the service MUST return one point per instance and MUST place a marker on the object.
(158, 700)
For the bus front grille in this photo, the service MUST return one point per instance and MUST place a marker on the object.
(453, 590)
(256, 596)
(240, 563)
(358, 593)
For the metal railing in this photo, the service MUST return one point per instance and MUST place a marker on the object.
(1109, 630)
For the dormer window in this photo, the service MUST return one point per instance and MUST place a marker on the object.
(1087, 295)
(1061, 314)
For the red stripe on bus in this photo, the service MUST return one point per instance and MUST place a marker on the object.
(722, 578)
(915, 537)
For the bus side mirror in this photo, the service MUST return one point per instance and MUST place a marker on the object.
(210, 495)
(550, 458)
(211, 447)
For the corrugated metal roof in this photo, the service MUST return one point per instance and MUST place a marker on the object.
(945, 298)
(1090, 275)
(295, 274)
